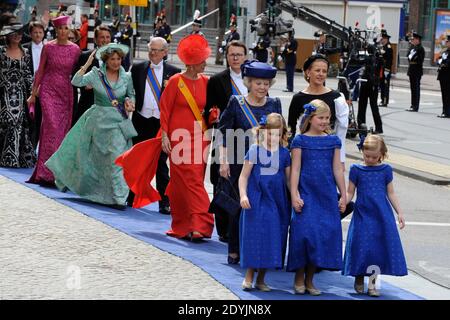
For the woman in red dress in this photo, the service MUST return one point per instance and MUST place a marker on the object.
(183, 139)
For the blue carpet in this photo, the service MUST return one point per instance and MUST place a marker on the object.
(147, 225)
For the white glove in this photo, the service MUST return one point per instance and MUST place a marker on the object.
(282, 49)
(220, 50)
(224, 43)
(280, 58)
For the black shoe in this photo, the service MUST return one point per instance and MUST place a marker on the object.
(232, 260)
(120, 207)
(443, 116)
(223, 239)
(287, 90)
(164, 210)
(378, 132)
(412, 110)
(382, 105)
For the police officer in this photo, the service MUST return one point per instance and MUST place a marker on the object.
(386, 54)
(289, 55)
(196, 26)
(444, 79)
(369, 89)
(416, 55)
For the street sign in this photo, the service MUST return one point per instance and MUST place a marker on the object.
(136, 3)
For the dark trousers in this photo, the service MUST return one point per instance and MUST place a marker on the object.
(384, 89)
(290, 69)
(369, 92)
(414, 82)
(147, 129)
(221, 218)
(445, 91)
(36, 124)
(233, 221)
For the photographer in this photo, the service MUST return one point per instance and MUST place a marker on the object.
(260, 51)
(369, 89)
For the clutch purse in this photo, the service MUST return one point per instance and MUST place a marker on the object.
(222, 201)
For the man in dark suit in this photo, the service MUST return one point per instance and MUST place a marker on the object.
(289, 55)
(219, 90)
(387, 54)
(37, 31)
(149, 80)
(416, 56)
(102, 36)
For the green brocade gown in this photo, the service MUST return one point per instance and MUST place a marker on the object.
(84, 163)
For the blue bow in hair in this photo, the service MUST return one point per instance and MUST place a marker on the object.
(309, 108)
(362, 137)
(263, 120)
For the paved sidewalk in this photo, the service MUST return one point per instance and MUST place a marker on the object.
(50, 251)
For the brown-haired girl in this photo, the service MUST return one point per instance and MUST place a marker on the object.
(373, 243)
(266, 212)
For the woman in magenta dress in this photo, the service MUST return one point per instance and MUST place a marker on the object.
(52, 84)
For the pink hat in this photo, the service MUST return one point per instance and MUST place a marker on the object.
(60, 21)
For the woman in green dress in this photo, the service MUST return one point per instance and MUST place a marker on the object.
(84, 163)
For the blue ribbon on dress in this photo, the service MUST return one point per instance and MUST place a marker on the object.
(154, 84)
(247, 112)
(235, 89)
(112, 97)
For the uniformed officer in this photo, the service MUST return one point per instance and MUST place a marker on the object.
(289, 55)
(416, 55)
(232, 35)
(386, 54)
(444, 80)
(196, 26)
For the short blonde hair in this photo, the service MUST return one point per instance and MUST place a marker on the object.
(273, 121)
(247, 81)
(321, 107)
(375, 142)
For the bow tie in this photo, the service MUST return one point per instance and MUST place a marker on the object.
(156, 66)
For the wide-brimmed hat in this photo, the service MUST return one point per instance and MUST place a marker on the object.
(111, 47)
(417, 36)
(256, 69)
(61, 21)
(193, 49)
(11, 28)
(384, 34)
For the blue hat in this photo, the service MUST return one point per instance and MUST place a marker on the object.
(256, 69)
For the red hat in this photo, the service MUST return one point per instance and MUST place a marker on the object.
(60, 21)
(193, 49)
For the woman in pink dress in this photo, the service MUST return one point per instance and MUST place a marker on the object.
(52, 84)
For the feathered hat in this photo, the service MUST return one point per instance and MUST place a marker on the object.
(193, 49)
(233, 20)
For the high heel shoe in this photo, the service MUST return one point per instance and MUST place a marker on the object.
(263, 287)
(373, 293)
(247, 286)
(299, 289)
(313, 291)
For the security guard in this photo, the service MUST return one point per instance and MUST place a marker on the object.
(416, 55)
(386, 54)
(444, 79)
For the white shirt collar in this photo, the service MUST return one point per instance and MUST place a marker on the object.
(234, 74)
(157, 66)
(34, 45)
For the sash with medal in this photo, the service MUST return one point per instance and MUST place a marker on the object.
(247, 111)
(192, 103)
(154, 84)
(112, 97)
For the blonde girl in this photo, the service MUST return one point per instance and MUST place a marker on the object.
(315, 236)
(266, 212)
(373, 242)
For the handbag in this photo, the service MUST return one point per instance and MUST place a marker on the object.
(222, 201)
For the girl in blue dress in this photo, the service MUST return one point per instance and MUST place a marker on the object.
(373, 242)
(266, 212)
(315, 236)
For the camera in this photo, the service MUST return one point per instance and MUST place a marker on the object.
(270, 25)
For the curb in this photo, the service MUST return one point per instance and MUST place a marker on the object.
(413, 173)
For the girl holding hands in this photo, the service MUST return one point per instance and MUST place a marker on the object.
(315, 238)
